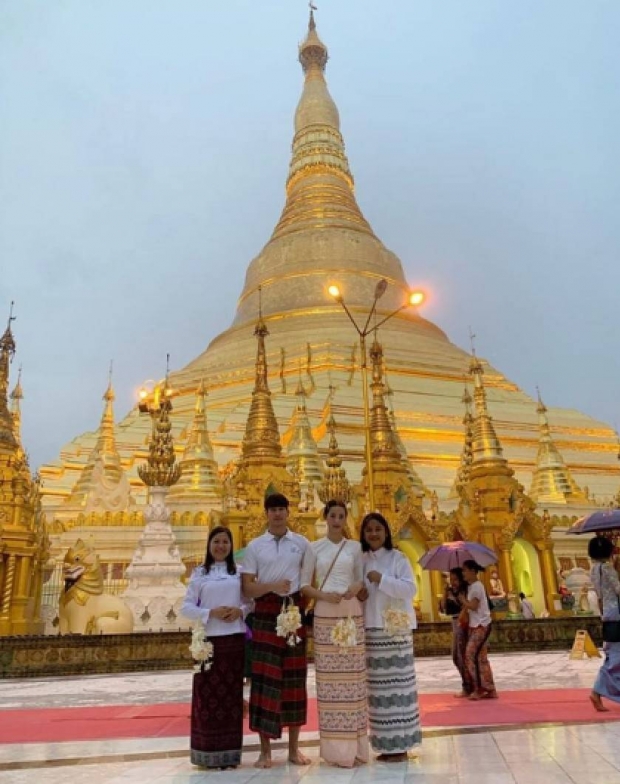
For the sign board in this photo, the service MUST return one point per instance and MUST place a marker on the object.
(583, 646)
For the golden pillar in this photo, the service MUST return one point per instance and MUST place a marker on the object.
(505, 568)
(549, 574)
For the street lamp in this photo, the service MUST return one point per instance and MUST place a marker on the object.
(414, 298)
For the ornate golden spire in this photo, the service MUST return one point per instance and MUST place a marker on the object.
(17, 395)
(320, 183)
(464, 470)
(262, 438)
(161, 470)
(104, 462)
(302, 452)
(383, 441)
(486, 449)
(7, 352)
(552, 481)
(199, 478)
(335, 483)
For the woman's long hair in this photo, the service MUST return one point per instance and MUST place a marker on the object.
(231, 566)
(377, 518)
(458, 573)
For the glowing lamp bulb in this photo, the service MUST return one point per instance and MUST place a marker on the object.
(334, 292)
(417, 297)
(143, 394)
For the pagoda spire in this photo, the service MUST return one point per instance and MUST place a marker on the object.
(383, 440)
(104, 463)
(7, 352)
(161, 469)
(199, 479)
(17, 395)
(261, 441)
(552, 481)
(464, 470)
(302, 452)
(487, 454)
(414, 477)
(335, 483)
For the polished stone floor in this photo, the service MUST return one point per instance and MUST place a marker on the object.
(582, 754)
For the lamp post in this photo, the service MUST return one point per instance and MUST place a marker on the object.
(414, 298)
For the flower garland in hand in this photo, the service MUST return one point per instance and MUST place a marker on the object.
(201, 649)
(288, 623)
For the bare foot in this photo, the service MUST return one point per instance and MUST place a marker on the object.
(263, 761)
(595, 699)
(298, 758)
(461, 695)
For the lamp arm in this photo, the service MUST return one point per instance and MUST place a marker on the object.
(389, 316)
(348, 312)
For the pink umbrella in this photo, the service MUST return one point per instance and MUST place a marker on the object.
(449, 555)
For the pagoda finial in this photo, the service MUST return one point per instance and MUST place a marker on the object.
(486, 448)
(384, 445)
(7, 352)
(335, 483)
(161, 468)
(414, 477)
(262, 438)
(17, 395)
(464, 470)
(552, 481)
(311, 22)
(302, 452)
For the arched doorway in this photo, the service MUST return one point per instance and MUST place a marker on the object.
(411, 544)
(526, 571)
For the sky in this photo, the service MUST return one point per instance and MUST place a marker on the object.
(144, 149)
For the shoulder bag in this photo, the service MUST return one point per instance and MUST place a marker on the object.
(308, 618)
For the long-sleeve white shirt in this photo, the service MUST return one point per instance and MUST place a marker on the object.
(206, 592)
(397, 587)
(347, 569)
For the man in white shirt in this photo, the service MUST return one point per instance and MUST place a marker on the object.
(271, 576)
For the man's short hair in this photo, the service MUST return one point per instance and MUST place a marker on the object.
(276, 501)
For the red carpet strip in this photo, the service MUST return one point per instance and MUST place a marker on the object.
(172, 719)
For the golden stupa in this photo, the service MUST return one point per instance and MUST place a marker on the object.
(567, 458)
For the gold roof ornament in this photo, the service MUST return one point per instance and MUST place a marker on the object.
(16, 396)
(161, 469)
(487, 453)
(302, 453)
(552, 481)
(103, 467)
(335, 483)
(416, 481)
(464, 470)
(199, 472)
(261, 441)
(7, 352)
(382, 439)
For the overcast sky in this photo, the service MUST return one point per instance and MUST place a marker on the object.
(144, 149)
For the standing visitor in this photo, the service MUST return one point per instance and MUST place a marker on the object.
(476, 652)
(451, 604)
(527, 610)
(334, 564)
(214, 598)
(604, 578)
(271, 575)
(393, 712)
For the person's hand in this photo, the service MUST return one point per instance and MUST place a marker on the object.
(374, 577)
(362, 594)
(349, 594)
(221, 613)
(234, 614)
(331, 597)
(283, 587)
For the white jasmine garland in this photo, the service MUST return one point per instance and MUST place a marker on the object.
(288, 623)
(344, 633)
(396, 623)
(201, 649)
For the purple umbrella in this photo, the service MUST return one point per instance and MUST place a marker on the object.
(603, 520)
(449, 555)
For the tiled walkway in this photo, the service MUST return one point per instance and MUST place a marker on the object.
(588, 754)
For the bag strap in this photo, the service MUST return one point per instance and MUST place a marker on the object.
(331, 566)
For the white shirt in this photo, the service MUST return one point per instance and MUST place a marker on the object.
(481, 616)
(347, 569)
(397, 587)
(205, 592)
(271, 560)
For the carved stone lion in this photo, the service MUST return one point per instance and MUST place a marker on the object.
(84, 607)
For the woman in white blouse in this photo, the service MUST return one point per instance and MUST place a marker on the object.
(214, 599)
(393, 711)
(332, 576)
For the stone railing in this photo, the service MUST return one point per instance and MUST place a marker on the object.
(30, 657)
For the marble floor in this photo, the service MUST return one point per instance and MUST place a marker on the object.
(582, 754)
